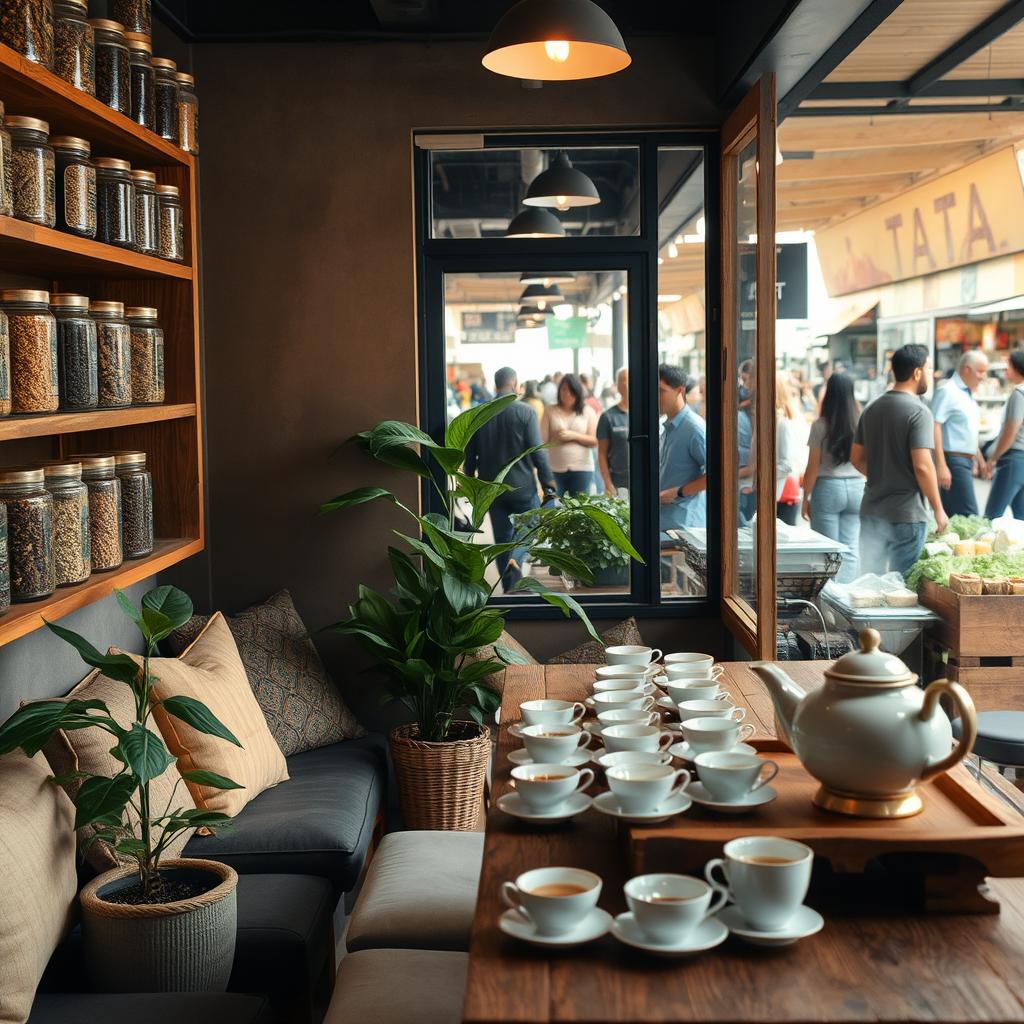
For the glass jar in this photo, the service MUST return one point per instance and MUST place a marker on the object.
(33, 343)
(75, 179)
(115, 202)
(5, 367)
(72, 547)
(165, 87)
(6, 168)
(105, 543)
(113, 354)
(32, 160)
(136, 503)
(188, 113)
(172, 224)
(147, 355)
(74, 45)
(26, 26)
(113, 74)
(29, 533)
(76, 352)
(5, 565)
(147, 213)
(135, 15)
(140, 59)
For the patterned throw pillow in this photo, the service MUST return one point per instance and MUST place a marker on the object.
(298, 698)
(592, 653)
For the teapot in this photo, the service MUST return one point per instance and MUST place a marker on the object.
(869, 735)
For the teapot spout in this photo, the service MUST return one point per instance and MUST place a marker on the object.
(785, 694)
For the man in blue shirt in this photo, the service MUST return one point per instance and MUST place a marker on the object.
(683, 453)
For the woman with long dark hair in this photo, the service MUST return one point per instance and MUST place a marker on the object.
(833, 488)
(570, 426)
(1006, 460)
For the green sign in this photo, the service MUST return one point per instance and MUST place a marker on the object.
(570, 333)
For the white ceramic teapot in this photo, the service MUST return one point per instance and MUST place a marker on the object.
(869, 735)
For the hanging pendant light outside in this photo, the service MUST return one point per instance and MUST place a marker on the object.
(535, 223)
(561, 186)
(540, 296)
(556, 41)
(535, 312)
(547, 277)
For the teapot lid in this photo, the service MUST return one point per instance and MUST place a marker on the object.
(870, 665)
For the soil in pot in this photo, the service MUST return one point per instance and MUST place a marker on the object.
(171, 891)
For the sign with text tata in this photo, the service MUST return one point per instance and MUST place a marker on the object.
(968, 215)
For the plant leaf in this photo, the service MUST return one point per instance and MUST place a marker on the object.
(481, 494)
(359, 496)
(32, 725)
(611, 530)
(143, 751)
(170, 602)
(467, 423)
(509, 656)
(113, 666)
(463, 597)
(503, 472)
(204, 777)
(567, 603)
(127, 607)
(102, 799)
(565, 562)
(196, 714)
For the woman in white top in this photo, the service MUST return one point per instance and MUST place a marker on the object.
(570, 426)
(789, 441)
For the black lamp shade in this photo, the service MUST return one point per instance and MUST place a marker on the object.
(535, 222)
(546, 277)
(561, 186)
(540, 296)
(533, 313)
(555, 41)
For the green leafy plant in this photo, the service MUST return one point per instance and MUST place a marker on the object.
(439, 612)
(104, 802)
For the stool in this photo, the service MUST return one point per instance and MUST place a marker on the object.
(419, 893)
(398, 986)
(1000, 738)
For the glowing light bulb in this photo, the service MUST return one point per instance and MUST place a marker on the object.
(561, 203)
(673, 252)
(557, 50)
(542, 303)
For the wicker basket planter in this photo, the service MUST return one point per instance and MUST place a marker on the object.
(441, 785)
(185, 946)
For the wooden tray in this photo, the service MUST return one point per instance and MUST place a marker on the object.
(961, 836)
(990, 626)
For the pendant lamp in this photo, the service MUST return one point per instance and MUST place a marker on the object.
(555, 41)
(547, 277)
(561, 186)
(535, 223)
(540, 296)
(535, 312)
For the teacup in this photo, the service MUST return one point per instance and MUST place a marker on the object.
(637, 672)
(545, 787)
(622, 686)
(714, 733)
(640, 788)
(622, 700)
(765, 876)
(551, 712)
(553, 743)
(633, 757)
(710, 709)
(627, 716)
(694, 689)
(686, 671)
(731, 776)
(553, 900)
(668, 908)
(693, 660)
(631, 654)
(635, 737)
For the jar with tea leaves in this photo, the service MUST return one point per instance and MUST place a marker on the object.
(147, 213)
(147, 355)
(140, 58)
(26, 26)
(33, 342)
(72, 546)
(135, 15)
(136, 503)
(113, 70)
(32, 160)
(74, 45)
(166, 90)
(115, 202)
(104, 511)
(188, 113)
(5, 565)
(76, 352)
(172, 223)
(6, 168)
(29, 533)
(5, 366)
(75, 179)
(114, 354)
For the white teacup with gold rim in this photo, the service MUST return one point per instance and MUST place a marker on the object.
(551, 712)
(636, 737)
(631, 699)
(550, 744)
(710, 709)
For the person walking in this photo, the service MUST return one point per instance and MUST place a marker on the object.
(892, 447)
(957, 426)
(531, 396)
(789, 444)
(833, 487)
(683, 461)
(1006, 460)
(570, 428)
(613, 439)
(500, 440)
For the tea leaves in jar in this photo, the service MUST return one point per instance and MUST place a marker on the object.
(188, 113)
(26, 26)
(147, 355)
(33, 185)
(5, 565)
(140, 58)
(77, 373)
(105, 541)
(147, 213)
(166, 98)
(74, 45)
(29, 533)
(115, 202)
(33, 346)
(76, 186)
(113, 354)
(113, 68)
(71, 542)
(172, 224)
(135, 15)
(6, 169)
(136, 504)
(5, 366)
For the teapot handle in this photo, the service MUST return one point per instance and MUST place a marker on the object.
(969, 723)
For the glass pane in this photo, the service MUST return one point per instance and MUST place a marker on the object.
(683, 395)
(476, 193)
(567, 359)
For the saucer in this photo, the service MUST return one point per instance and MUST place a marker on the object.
(599, 752)
(512, 804)
(707, 935)
(606, 803)
(574, 760)
(593, 926)
(699, 794)
(804, 922)
(516, 729)
(683, 751)
(594, 727)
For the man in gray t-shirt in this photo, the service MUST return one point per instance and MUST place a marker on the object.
(893, 449)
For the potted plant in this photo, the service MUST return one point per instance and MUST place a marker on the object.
(426, 635)
(153, 924)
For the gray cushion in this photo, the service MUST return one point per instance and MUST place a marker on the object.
(152, 1008)
(1000, 736)
(319, 822)
(419, 893)
(397, 986)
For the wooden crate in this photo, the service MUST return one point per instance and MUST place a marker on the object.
(995, 684)
(976, 627)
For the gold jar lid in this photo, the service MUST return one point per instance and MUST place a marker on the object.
(94, 462)
(69, 300)
(167, 190)
(17, 121)
(112, 163)
(106, 25)
(184, 78)
(24, 295)
(141, 312)
(70, 142)
(103, 306)
(139, 41)
(21, 475)
(61, 469)
(129, 458)
(144, 176)
(84, 4)
(166, 63)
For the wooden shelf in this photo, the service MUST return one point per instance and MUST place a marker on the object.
(21, 619)
(14, 428)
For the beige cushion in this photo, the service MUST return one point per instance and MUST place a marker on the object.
(212, 672)
(89, 750)
(399, 986)
(37, 869)
(592, 653)
(419, 893)
(487, 654)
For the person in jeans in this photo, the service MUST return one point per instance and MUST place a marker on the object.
(833, 488)
(957, 425)
(613, 439)
(570, 427)
(1006, 460)
(683, 459)
(892, 447)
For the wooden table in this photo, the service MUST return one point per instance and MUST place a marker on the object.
(865, 965)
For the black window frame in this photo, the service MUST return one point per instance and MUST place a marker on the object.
(637, 255)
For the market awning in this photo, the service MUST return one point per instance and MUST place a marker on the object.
(843, 311)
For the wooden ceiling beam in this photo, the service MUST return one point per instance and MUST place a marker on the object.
(847, 188)
(835, 166)
(822, 134)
